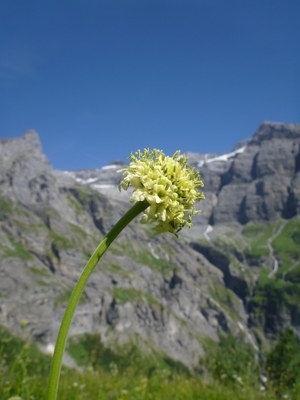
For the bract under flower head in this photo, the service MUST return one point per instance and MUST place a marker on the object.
(168, 184)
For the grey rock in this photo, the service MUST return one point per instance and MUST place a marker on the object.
(166, 291)
(259, 182)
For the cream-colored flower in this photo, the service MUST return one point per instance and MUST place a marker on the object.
(168, 184)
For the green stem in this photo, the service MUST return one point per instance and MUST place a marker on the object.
(77, 292)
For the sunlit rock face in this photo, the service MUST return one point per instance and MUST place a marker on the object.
(168, 293)
(258, 180)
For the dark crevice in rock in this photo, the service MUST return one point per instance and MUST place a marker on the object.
(226, 178)
(50, 264)
(55, 251)
(222, 321)
(254, 167)
(175, 282)
(99, 224)
(222, 262)
(46, 260)
(211, 220)
(290, 207)
(95, 204)
(112, 314)
(242, 215)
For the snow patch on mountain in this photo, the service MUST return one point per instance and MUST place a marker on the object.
(223, 157)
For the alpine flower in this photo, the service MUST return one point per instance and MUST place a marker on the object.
(168, 184)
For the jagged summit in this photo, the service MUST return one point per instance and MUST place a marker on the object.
(276, 130)
(28, 137)
(30, 134)
(28, 145)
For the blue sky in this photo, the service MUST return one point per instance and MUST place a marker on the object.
(98, 79)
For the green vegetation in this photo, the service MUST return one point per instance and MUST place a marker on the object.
(283, 365)
(232, 361)
(272, 299)
(88, 351)
(278, 295)
(289, 238)
(225, 298)
(23, 369)
(107, 375)
(123, 295)
(83, 193)
(117, 269)
(40, 272)
(77, 207)
(287, 244)
(62, 242)
(6, 207)
(19, 250)
(64, 296)
(147, 258)
(258, 235)
(293, 274)
(142, 255)
(78, 231)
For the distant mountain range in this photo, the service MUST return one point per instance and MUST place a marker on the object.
(237, 269)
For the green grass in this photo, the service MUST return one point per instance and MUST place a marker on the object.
(226, 299)
(277, 297)
(79, 231)
(19, 250)
(106, 376)
(123, 295)
(117, 269)
(23, 369)
(62, 242)
(74, 238)
(84, 193)
(88, 351)
(287, 244)
(40, 272)
(289, 239)
(274, 299)
(146, 257)
(77, 207)
(257, 236)
(32, 227)
(64, 297)
(293, 275)
(142, 255)
(6, 207)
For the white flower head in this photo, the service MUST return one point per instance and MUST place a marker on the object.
(168, 184)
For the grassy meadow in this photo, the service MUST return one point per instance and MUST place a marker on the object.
(230, 371)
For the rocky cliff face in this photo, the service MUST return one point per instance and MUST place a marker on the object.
(259, 180)
(237, 269)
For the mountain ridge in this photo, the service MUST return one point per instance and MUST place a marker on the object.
(168, 294)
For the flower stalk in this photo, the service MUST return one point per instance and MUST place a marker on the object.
(135, 210)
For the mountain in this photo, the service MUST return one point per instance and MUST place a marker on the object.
(237, 269)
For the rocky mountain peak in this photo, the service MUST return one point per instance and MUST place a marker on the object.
(31, 136)
(28, 145)
(276, 130)
(26, 174)
(261, 182)
(166, 291)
